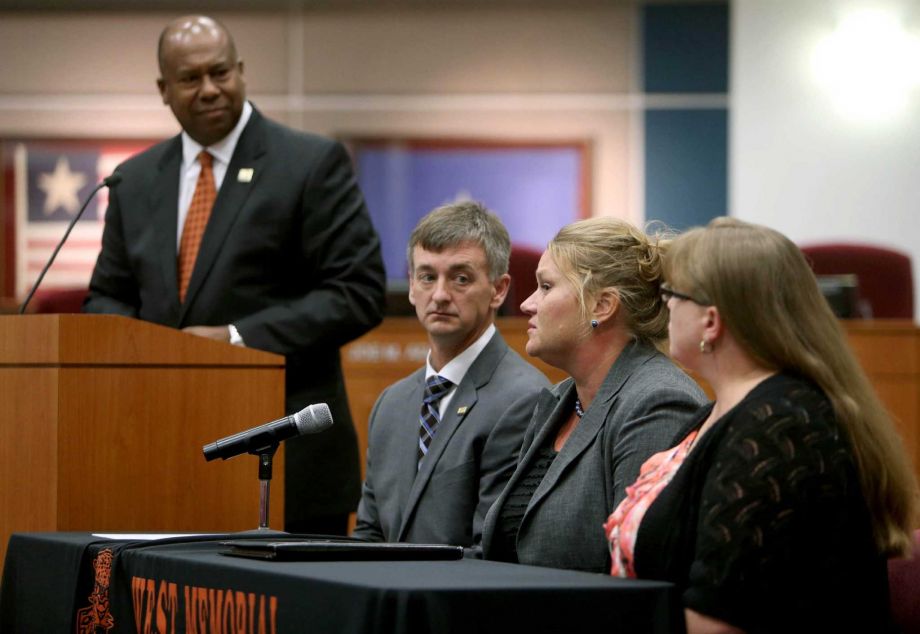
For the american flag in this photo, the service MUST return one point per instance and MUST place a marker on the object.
(51, 182)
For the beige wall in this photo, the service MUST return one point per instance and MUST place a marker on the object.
(548, 73)
(797, 163)
(529, 74)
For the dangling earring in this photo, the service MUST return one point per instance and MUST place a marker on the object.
(594, 323)
(703, 344)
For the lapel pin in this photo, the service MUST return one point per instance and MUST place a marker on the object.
(245, 175)
(462, 410)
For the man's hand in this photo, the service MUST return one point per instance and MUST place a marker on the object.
(220, 333)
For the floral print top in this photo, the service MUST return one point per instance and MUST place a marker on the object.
(622, 526)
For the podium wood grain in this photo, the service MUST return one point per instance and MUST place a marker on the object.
(102, 421)
(889, 351)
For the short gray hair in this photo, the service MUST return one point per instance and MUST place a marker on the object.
(457, 223)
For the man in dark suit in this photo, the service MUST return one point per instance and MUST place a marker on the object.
(245, 231)
(444, 440)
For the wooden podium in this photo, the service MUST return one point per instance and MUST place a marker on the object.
(103, 419)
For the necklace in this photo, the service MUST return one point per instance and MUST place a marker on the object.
(578, 410)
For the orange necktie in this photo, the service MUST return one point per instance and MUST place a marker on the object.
(196, 221)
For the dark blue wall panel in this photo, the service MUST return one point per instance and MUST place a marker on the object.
(685, 48)
(686, 166)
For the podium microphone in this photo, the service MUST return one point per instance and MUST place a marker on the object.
(309, 420)
(109, 181)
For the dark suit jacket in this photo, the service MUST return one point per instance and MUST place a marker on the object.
(639, 408)
(290, 258)
(471, 457)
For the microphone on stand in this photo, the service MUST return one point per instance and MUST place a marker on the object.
(109, 181)
(263, 441)
(309, 420)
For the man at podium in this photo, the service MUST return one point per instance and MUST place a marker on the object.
(242, 230)
(444, 440)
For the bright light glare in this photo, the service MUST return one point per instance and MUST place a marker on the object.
(869, 65)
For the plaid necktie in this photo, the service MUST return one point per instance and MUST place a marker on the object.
(196, 221)
(436, 387)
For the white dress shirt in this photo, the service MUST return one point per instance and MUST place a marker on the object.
(222, 151)
(456, 368)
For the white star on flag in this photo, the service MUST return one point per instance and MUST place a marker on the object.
(61, 187)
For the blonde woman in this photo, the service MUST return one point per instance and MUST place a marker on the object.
(596, 314)
(777, 508)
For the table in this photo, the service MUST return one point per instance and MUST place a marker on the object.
(49, 585)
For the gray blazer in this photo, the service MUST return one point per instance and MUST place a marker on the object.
(639, 408)
(471, 457)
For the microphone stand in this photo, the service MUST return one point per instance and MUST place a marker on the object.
(265, 454)
(109, 181)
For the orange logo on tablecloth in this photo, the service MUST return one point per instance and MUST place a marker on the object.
(96, 617)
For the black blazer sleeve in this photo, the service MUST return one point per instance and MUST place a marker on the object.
(341, 251)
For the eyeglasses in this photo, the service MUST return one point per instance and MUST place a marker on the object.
(667, 293)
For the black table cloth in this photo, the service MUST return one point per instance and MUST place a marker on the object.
(74, 582)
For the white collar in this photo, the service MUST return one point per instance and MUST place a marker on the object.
(222, 150)
(455, 369)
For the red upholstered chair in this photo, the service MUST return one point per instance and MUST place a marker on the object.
(62, 300)
(904, 583)
(522, 268)
(885, 277)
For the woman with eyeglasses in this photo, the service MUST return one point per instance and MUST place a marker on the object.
(780, 502)
(597, 314)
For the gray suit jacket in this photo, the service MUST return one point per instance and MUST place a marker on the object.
(639, 408)
(471, 457)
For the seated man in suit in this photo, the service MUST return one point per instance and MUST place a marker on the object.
(444, 440)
